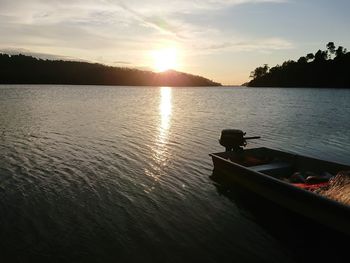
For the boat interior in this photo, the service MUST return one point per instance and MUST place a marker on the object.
(331, 180)
(280, 164)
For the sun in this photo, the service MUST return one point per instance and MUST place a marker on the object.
(164, 59)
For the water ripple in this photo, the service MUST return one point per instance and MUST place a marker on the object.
(97, 173)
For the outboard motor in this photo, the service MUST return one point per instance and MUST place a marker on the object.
(234, 140)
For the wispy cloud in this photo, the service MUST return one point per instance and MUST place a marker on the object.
(23, 51)
(166, 7)
(90, 16)
(252, 45)
(117, 31)
(122, 62)
(153, 21)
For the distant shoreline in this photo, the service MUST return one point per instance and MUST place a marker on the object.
(21, 69)
(108, 85)
(324, 69)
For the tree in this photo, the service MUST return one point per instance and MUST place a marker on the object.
(340, 52)
(259, 71)
(310, 56)
(287, 63)
(321, 56)
(302, 60)
(329, 69)
(331, 48)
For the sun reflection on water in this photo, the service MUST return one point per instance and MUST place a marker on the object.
(165, 113)
(160, 154)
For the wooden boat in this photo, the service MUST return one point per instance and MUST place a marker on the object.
(264, 172)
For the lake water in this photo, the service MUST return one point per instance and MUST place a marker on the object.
(107, 174)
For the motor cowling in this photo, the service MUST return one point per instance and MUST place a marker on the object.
(232, 139)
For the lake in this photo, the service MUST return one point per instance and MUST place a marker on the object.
(102, 174)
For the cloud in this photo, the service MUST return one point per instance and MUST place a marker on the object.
(23, 51)
(178, 6)
(252, 45)
(115, 32)
(156, 22)
(167, 18)
(122, 62)
(159, 15)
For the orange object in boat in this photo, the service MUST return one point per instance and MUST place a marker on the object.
(311, 186)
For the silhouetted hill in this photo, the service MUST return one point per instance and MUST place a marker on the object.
(21, 69)
(328, 68)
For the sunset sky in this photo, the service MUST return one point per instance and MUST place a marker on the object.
(220, 39)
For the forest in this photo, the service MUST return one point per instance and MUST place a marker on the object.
(22, 69)
(324, 68)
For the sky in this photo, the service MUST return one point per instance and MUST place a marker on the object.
(223, 40)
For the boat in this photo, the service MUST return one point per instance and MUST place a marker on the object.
(268, 172)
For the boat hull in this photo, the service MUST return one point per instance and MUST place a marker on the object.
(313, 206)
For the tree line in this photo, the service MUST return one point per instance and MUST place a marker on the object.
(22, 69)
(325, 68)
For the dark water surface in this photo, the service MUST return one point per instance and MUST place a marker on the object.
(108, 174)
